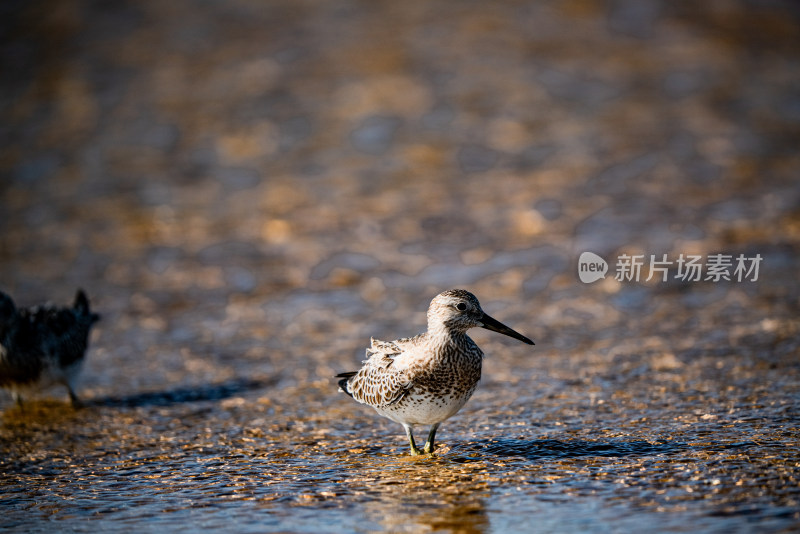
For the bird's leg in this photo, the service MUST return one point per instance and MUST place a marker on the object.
(431, 435)
(414, 450)
(76, 402)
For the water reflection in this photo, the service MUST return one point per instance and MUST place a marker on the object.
(440, 499)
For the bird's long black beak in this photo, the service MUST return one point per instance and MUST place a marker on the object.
(493, 324)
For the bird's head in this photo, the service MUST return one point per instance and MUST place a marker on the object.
(457, 310)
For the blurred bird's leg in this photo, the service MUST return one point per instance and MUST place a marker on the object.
(414, 450)
(431, 436)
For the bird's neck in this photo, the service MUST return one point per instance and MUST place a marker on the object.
(439, 333)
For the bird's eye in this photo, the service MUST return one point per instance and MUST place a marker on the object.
(461, 306)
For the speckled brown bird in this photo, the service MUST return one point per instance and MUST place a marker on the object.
(428, 378)
(43, 345)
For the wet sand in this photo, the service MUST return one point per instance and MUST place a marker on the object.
(248, 192)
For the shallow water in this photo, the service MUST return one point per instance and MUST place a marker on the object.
(248, 193)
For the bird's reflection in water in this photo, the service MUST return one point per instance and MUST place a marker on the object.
(432, 495)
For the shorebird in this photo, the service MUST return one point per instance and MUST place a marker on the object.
(43, 345)
(426, 379)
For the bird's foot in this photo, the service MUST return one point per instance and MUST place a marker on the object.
(428, 449)
(77, 403)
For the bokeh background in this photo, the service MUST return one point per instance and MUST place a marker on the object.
(249, 190)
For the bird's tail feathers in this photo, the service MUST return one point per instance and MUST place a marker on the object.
(343, 382)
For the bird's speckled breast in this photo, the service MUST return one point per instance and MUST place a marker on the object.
(442, 385)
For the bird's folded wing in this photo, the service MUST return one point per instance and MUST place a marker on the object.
(379, 385)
